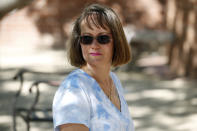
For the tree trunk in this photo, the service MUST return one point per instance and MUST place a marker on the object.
(181, 19)
(8, 5)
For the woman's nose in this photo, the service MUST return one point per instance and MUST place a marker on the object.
(95, 44)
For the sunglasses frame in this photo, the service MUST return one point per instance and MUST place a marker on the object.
(98, 39)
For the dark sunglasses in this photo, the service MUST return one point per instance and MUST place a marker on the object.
(101, 39)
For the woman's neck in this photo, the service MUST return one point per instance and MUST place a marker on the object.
(100, 73)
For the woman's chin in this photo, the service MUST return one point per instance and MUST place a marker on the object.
(98, 62)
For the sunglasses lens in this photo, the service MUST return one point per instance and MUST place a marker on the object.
(103, 39)
(86, 40)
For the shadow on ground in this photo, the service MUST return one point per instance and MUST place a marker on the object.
(159, 105)
(155, 104)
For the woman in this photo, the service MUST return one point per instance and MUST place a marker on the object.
(91, 97)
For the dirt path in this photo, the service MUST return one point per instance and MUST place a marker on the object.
(155, 104)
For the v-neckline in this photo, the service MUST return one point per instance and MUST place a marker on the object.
(108, 100)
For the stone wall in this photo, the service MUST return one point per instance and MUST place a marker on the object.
(47, 23)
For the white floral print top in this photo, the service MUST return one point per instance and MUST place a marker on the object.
(80, 99)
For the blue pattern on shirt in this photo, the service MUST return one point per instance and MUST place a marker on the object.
(79, 99)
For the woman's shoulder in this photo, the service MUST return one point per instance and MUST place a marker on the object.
(73, 85)
(75, 74)
(114, 77)
(117, 82)
(76, 78)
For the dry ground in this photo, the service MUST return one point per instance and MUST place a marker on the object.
(155, 104)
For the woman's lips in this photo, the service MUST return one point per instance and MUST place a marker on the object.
(95, 54)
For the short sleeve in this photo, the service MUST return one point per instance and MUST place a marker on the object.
(70, 105)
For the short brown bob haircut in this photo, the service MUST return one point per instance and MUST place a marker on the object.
(103, 17)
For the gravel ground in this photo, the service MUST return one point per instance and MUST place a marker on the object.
(155, 104)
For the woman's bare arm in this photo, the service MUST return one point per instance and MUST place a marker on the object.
(73, 127)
